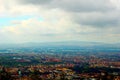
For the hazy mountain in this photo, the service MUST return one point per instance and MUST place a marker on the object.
(63, 43)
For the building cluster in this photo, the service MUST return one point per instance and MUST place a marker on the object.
(59, 67)
(52, 72)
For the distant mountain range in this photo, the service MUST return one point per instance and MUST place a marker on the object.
(63, 43)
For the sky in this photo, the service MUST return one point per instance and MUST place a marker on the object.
(23, 21)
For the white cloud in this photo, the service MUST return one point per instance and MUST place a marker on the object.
(116, 3)
(64, 20)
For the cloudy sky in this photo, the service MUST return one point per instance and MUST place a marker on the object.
(24, 21)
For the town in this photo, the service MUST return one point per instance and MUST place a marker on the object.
(59, 64)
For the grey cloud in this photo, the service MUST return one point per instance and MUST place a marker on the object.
(81, 9)
(83, 5)
(101, 23)
(35, 2)
(74, 5)
(98, 19)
